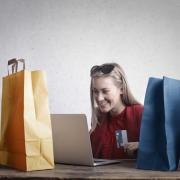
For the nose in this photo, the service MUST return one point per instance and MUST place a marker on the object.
(100, 97)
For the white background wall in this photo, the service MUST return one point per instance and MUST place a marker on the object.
(67, 37)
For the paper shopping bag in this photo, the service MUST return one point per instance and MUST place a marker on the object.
(26, 135)
(159, 147)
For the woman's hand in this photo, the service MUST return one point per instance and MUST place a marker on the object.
(131, 147)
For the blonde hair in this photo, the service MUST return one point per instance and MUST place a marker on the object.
(118, 75)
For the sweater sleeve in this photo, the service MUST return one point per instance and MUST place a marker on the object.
(134, 115)
(138, 110)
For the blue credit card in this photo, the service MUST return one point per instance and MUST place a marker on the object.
(121, 138)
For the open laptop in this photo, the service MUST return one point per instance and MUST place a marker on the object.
(71, 141)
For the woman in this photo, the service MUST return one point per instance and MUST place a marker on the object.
(114, 108)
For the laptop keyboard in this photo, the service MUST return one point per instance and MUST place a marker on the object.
(98, 160)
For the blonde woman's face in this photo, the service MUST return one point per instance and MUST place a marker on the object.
(107, 95)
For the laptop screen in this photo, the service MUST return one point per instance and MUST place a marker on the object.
(71, 139)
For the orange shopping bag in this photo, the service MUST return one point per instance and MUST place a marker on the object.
(26, 134)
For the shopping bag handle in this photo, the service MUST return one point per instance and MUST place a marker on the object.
(22, 61)
(14, 63)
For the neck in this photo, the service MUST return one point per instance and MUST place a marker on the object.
(118, 110)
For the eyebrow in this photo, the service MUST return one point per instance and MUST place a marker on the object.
(101, 89)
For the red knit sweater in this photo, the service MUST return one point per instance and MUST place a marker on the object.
(103, 138)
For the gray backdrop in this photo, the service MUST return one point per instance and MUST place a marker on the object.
(66, 37)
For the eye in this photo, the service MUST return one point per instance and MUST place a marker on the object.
(95, 91)
(105, 91)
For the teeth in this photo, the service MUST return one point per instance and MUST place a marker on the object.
(102, 105)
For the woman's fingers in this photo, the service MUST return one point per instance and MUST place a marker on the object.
(129, 148)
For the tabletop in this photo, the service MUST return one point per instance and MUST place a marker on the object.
(123, 170)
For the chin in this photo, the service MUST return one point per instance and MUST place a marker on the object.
(105, 110)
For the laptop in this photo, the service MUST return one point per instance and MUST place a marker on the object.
(71, 141)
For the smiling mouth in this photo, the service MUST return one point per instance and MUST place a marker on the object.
(102, 105)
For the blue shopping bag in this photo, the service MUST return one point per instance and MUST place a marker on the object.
(159, 147)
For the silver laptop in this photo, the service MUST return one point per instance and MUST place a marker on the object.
(71, 141)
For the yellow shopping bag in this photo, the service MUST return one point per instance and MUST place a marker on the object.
(26, 134)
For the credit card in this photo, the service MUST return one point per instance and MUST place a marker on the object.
(121, 138)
